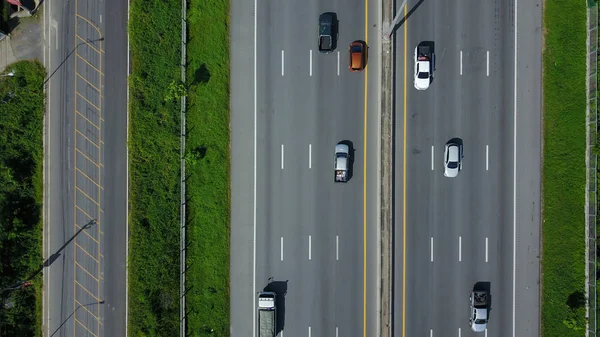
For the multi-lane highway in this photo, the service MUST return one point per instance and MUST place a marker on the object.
(294, 230)
(482, 226)
(85, 215)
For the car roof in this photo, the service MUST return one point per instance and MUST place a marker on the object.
(452, 152)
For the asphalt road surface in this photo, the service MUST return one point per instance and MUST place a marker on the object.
(86, 168)
(482, 226)
(294, 230)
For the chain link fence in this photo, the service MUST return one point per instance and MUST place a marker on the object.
(592, 188)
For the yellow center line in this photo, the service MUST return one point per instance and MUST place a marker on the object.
(404, 189)
(365, 173)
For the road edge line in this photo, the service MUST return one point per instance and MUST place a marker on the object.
(386, 138)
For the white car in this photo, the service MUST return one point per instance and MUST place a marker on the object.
(453, 154)
(423, 67)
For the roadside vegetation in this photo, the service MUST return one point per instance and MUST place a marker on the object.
(155, 43)
(21, 193)
(564, 172)
(207, 166)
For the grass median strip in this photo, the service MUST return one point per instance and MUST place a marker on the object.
(563, 255)
(207, 164)
(155, 42)
(21, 192)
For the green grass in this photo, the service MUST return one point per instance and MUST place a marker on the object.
(155, 42)
(563, 257)
(208, 167)
(21, 192)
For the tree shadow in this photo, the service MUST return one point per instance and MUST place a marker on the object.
(576, 300)
(201, 75)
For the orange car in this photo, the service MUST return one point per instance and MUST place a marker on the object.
(358, 56)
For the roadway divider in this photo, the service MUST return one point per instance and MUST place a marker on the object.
(387, 152)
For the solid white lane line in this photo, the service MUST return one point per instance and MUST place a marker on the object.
(282, 248)
(282, 156)
(338, 73)
(487, 153)
(459, 248)
(336, 331)
(309, 250)
(514, 269)
(308, 331)
(310, 70)
(486, 249)
(487, 68)
(309, 155)
(485, 332)
(461, 62)
(253, 175)
(431, 244)
(432, 157)
(458, 332)
(337, 250)
(430, 332)
(282, 62)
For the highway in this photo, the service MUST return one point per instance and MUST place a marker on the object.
(482, 226)
(295, 231)
(85, 214)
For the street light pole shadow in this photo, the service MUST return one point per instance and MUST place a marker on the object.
(55, 256)
(71, 315)
(412, 10)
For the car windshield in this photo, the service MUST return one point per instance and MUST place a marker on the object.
(480, 321)
(424, 74)
(355, 49)
(452, 165)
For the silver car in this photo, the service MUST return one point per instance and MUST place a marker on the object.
(453, 154)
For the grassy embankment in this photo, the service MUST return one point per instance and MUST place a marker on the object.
(563, 263)
(155, 42)
(207, 164)
(21, 193)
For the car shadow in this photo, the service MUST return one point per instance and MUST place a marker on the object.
(487, 287)
(280, 289)
(431, 45)
(456, 140)
(352, 154)
(335, 31)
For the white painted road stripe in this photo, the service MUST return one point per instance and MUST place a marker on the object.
(486, 249)
(308, 331)
(309, 250)
(282, 248)
(282, 156)
(461, 62)
(458, 332)
(309, 155)
(459, 248)
(485, 332)
(487, 153)
(310, 70)
(336, 331)
(432, 157)
(337, 254)
(430, 332)
(282, 63)
(487, 68)
(338, 73)
(431, 243)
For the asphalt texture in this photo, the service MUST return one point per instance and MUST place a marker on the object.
(86, 175)
(461, 231)
(295, 231)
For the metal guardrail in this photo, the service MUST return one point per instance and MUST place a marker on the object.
(592, 169)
